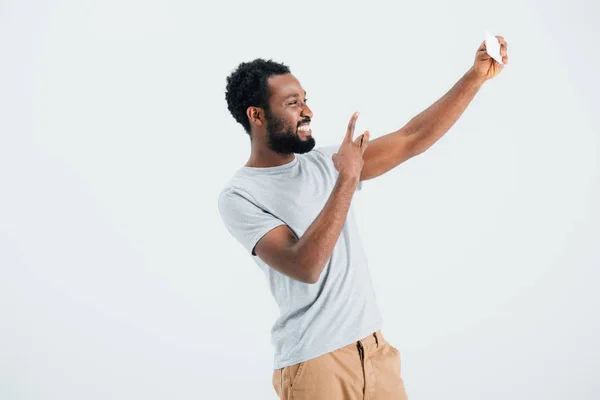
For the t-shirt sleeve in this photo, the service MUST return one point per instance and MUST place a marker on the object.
(246, 221)
(329, 151)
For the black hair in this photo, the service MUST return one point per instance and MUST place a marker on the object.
(247, 86)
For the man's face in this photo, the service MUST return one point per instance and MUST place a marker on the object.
(288, 116)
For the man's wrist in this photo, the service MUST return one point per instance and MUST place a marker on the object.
(474, 77)
(347, 179)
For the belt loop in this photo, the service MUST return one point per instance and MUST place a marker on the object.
(376, 340)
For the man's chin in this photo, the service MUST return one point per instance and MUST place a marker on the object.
(306, 145)
(296, 145)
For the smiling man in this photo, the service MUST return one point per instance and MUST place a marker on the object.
(290, 207)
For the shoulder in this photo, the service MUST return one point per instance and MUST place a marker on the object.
(234, 191)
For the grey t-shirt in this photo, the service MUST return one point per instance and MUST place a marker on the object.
(315, 318)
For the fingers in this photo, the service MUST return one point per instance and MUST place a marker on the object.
(503, 48)
(365, 141)
(482, 47)
(351, 125)
(358, 140)
(362, 140)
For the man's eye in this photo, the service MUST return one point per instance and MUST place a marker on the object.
(296, 101)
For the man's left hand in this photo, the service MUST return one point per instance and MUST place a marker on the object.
(485, 66)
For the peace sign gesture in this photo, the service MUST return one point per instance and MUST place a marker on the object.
(349, 158)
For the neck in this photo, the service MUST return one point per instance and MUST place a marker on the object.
(263, 157)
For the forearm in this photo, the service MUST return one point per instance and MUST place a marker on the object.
(429, 126)
(314, 248)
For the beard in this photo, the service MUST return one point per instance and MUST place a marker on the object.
(283, 138)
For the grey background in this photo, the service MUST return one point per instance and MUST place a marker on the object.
(119, 281)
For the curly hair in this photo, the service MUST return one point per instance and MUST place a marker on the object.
(247, 86)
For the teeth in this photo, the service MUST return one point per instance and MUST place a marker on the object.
(303, 128)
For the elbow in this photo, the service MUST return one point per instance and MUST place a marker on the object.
(312, 279)
(307, 264)
(308, 272)
(314, 272)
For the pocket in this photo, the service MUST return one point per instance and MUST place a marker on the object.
(294, 373)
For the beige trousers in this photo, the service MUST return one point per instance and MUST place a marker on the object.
(368, 369)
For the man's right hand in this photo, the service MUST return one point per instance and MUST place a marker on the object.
(304, 258)
(349, 158)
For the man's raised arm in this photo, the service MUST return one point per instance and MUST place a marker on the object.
(421, 132)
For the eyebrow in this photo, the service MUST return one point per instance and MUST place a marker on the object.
(295, 95)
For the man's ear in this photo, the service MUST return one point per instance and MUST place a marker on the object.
(256, 115)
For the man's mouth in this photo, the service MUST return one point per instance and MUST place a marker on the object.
(304, 129)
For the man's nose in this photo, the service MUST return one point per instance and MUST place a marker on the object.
(306, 111)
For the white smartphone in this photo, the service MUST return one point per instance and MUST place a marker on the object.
(492, 46)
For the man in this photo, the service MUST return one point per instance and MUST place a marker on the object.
(289, 206)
